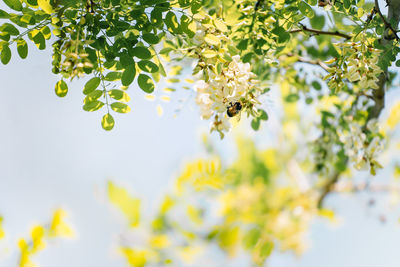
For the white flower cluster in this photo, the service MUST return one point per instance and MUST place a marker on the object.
(360, 66)
(235, 84)
(362, 153)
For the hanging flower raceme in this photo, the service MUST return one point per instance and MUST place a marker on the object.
(227, 94)
(363, 150)
(358, 64)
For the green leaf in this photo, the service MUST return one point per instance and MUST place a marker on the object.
(318, 22)
(4, 15)
(22, 48)
(93, 106)
(5, 54)
(128, 75)
(247, 58)
(212, 39)
(91, 85)
(316, 85)
(146, 83)
(243, 44)
(292, 98)
(46, 32)
(141, 52)
(250, 238)
(255, 124)
(38, 38)
(120, 107)
(61, 88)
(93, 96)
(263, 115)
(119, 95)
(156, 16)
(13, 4)
(4, 36)
(150, 38)
(148, 66)
(162, 70)
(126, 60)
(188, 26)
(172, 23)
(9, 28)
(284, 37)
(266, 249)
(306, 10)
(45, 5)
(398, 63)
(107, 122)
(113, 76)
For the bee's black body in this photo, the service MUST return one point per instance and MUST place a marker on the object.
(233, 109)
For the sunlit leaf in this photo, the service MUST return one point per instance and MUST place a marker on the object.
(146, 83)
(107, 122)
(120, 107)
(61, 88)
(128, 205)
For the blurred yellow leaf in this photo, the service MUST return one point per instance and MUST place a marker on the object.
(175, 70)
(37, 234)
(329, 214)
(228, 238)
(24, 260)
(188, 253)
(159, 241)
(167, 204)
(160, 110)
(149, 97)
(2, 233)
(129, 206)
(58, 227)
(394, 116)
(194, 214)
(136, 258)
(165, 98)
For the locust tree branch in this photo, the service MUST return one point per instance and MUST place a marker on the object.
(319, 32)
(378, 95)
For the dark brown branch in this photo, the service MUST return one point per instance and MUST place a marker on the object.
(387, 24)
(318, 32)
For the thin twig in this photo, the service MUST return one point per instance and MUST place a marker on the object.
(311, 62)
(318, 32)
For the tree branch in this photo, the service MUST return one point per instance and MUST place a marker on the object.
(328, 188)
(318, 32)
(310, 61)
(378, 95)
(387, 24)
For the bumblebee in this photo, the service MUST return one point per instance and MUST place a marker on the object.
(234, 108)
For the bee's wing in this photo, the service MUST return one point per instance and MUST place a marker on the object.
(238, 117)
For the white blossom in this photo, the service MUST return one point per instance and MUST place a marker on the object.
(235, 84)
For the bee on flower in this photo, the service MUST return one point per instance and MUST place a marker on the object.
(227, 94)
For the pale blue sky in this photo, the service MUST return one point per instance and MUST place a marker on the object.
(52, 153)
